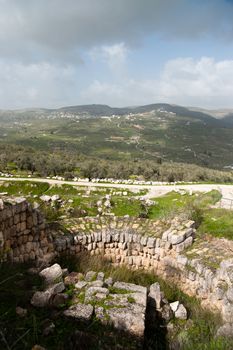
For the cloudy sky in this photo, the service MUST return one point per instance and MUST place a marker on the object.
(118, 52)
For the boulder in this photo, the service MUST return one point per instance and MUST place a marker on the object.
(90, 276)
(107, 204)
(45, 198)
(174, 306)
(52, 274)
(127, 320)
(96, 284)
(177, 238)
(92, 291)
(80, 312)
(166, 312)
(80, 284)
(225, 330)
(73, 278)
(100, 314)
(100, 276)
(130, 287)
(41, 299)
(108, 281)
(58, 299)
(55, 197)
(57, 288)
(20, 311)
(181, 312)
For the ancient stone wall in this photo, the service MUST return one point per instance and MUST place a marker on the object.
(165, 256)
(23, 235)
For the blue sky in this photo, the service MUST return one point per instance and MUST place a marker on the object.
(125, 52)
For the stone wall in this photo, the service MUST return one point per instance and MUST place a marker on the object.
(24, 237)
(23, 233)
(164, 255)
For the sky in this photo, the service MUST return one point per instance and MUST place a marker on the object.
(56, 53)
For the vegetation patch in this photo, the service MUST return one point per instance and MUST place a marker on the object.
(218, 223)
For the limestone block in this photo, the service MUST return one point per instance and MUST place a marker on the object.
(188, 242)
(32, 255)
(191, 276)
(182, 260)
(151, 242)
(177, 238)
(167, 246)
(181, 312)
(165, 235)
(130, 238)
(227, 311)
(158, 242)
(41, 299)
(130, 259)
(34, 218)
(99, 236)
(143, 240)
(80, 312)
(18, 227)
(23, 226)
(137, 260)
(190, 224)
(155, 295)
(23, 216)
(225, 330)
(51, 274)
(29, 222)
(179, 247)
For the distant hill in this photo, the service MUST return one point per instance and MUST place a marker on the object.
(95, 110)
(217, 118)
(99, 110)
(155, 131)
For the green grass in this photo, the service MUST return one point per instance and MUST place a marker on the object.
(125, 206)
(170, 203)
(174, 203)
(24, 188)
(218, 223)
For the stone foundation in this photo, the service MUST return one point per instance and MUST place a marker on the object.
(25, 237)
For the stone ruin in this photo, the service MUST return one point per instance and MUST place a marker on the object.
(24, 236)
(125, 306)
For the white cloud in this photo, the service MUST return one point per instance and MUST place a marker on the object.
(204, 82)
(56, 30)
(33, 85)
(114, 56)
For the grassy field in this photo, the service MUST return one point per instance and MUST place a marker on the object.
(218, 223)
(24, 188)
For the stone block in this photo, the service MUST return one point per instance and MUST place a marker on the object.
(151, 242)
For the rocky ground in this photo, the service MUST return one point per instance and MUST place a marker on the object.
(124, 306)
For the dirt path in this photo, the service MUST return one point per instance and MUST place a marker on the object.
(153, 190)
